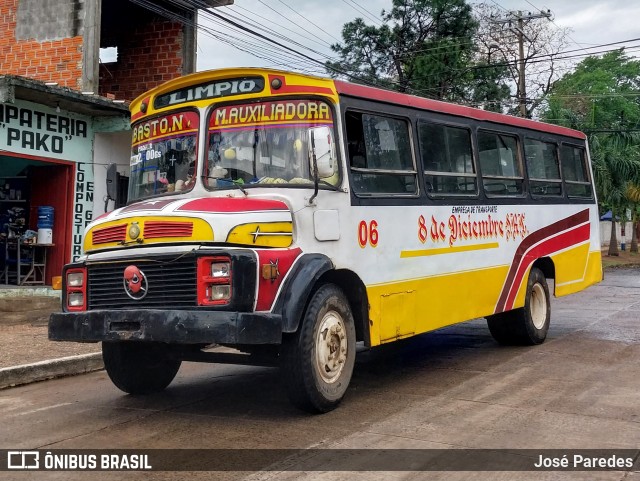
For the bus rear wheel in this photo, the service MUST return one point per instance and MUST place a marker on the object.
(139, 367)
(318, 359)
(527, 325)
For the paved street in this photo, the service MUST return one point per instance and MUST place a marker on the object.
(453, 388)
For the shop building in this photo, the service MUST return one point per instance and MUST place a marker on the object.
(55, 144)
(64, 115)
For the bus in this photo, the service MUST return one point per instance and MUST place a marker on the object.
(294, 218)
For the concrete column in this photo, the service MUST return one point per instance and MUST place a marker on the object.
(189, 39)
(91, 45)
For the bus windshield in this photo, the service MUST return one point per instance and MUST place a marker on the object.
(268, 143)
(163, 156)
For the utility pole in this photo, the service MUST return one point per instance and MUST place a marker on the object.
(522, 88)
(519, 19)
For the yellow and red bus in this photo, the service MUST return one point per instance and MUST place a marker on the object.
(291, 217)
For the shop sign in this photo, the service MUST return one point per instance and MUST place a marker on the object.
(82, 206)
(34, 129)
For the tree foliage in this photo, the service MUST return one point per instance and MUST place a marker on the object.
(423, 47)
(443, 49)
(601, 98)
(600, 94)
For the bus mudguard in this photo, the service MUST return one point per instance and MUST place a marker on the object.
(298, 287)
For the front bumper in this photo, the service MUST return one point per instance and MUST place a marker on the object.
(170, 326)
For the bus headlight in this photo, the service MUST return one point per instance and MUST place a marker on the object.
(220, 292)
(76, 289)
(75, 299)
(75, 279)
(214, 280)
(220, 269)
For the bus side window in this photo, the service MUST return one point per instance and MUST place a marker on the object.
(500, 164)
(575, 171)
(543, 168)
(380, 156)
(448, 159)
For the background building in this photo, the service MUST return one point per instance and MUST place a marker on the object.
(63, 113)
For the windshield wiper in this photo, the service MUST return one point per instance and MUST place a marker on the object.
(239, 185)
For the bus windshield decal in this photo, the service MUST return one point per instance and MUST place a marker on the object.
(307, 111)
(169, 125)
(211, 90)
(271, 143)
(163, 155)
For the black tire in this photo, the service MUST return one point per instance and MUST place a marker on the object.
(139, 367)
(527, 325)
(317, 375)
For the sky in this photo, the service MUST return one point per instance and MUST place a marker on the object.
(318, 23)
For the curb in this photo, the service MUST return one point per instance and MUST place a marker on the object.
(40, 371)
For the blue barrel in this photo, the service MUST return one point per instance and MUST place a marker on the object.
(45, 217)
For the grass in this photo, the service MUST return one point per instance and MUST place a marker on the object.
(625, 259)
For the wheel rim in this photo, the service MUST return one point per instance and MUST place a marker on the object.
(331, 347)
(538, 306)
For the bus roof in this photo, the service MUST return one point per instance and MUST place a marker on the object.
(388, 96)
(300, 83)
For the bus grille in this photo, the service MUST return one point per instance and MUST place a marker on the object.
(157, 229)
(116, 233)
(171, 285)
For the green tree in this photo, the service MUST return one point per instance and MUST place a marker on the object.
(423, 47)
(601, 97)
(602, 93)
(633, 194)
(616, 169)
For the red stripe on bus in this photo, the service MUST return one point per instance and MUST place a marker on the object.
(535, 237)
(283, 260)
(140, 113)
(224, 205)
(296, 89)
(566, 239)
(372, 93)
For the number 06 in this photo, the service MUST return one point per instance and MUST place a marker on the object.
(368, 233)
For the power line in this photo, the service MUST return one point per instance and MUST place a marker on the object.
(361, 10)
(246, 29)
(307, 20)
(287, 18)
(279, 25)
(268, 31)
(545, 57)
(187, 21)
(280, 55)
(199, 4)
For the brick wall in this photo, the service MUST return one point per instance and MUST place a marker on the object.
(149, 55)
(49, 49)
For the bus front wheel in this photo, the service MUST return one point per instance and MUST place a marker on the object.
(318, 359)
(527, 325)
(139, 367)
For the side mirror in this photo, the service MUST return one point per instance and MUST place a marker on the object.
(321, 144)
(112, 182)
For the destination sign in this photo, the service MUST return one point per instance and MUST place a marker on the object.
(211, 90)
(291, 111)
